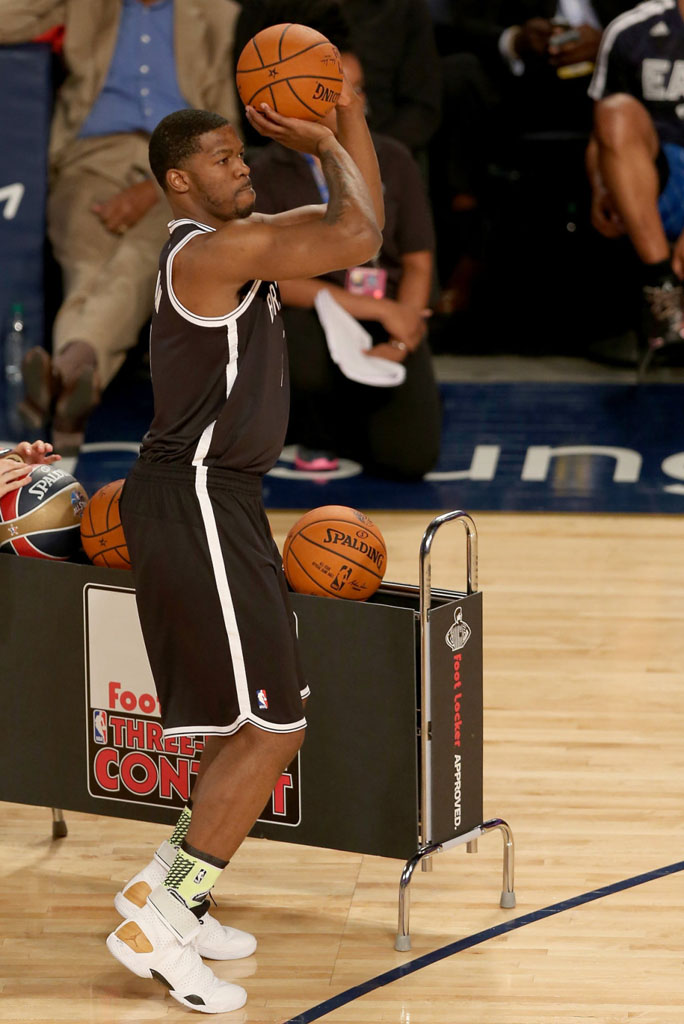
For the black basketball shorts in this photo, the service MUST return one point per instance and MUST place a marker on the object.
(212, 599)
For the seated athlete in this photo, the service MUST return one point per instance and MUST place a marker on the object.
(635, 158)
(210, 590)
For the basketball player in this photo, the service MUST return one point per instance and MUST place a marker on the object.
(209, 585)
(636, 156)
(13, 463)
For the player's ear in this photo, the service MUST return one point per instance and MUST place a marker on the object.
(177, 180)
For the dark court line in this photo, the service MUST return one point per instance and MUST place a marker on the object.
(335, 1002)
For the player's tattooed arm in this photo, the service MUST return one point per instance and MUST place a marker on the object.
(338, 183)
(350, 204)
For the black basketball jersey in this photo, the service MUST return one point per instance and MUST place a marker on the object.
(642, 53)
(220, 384)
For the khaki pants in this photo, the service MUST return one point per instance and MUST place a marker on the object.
(108, 279)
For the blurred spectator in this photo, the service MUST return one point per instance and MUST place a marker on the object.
(520, 67)
(128, 64)
(391, 430)
(635, 158)
(395, 43)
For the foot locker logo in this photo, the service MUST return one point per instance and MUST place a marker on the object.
(129, 759)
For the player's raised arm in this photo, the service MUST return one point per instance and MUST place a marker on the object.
(353, 133)
(248, 246)
(345, 232)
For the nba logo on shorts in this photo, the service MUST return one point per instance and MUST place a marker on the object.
(262, 700)
(100, 726)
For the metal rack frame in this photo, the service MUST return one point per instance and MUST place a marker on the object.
(427, 848)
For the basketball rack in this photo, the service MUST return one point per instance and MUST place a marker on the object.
(414, 787)
(429, 827)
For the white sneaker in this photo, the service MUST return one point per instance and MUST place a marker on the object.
(153, 947)
(215, 941)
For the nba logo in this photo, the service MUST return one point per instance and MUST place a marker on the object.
(262, 700)
(100, 726)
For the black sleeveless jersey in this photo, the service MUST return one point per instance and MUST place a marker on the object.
(642, 53)
(220, 384)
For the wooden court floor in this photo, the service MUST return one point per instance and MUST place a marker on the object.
(584, 757)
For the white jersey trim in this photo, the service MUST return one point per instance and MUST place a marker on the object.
(644, 11)
(232, 364)
(187, 314)
(228, 730)
(173, 224)
(220, 575)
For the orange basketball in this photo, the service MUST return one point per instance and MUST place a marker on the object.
(102, 534)
(335, 551)
(293, 68)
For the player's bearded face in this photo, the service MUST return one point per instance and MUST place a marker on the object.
(236, 205)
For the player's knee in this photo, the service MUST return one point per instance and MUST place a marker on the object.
(280, 746)
(618, 119)
(297, 740)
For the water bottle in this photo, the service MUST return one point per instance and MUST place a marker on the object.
(13, 352)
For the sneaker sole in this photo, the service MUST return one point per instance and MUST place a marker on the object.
(204, 1009)
(317, 465)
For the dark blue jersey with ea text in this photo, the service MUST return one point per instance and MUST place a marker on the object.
(642, 53)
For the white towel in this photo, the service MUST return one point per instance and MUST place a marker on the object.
(348, 342)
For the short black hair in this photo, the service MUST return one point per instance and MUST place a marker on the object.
(176, 138)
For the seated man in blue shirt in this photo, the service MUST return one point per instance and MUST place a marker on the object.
(129, 63)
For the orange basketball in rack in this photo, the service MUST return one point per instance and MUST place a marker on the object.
(102, 534)
(293, 68)
(335, 551)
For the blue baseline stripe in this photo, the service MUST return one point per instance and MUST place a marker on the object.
(335, 1002)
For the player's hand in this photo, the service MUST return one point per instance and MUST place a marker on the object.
(125, 209)
(12, 475)
(405, 324)
(293, 132)
(604, 216)
(586, 47)
(37, 454)
(532, 38)
(348, 96)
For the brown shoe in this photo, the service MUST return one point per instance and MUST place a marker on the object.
(77, 396)
(36, 404)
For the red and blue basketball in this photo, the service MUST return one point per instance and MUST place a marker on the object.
(42, 519)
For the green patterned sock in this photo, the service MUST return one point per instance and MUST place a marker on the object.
(182, 825)
(192, 875)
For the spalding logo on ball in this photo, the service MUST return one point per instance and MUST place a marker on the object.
(42, 519)
(335, 551)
